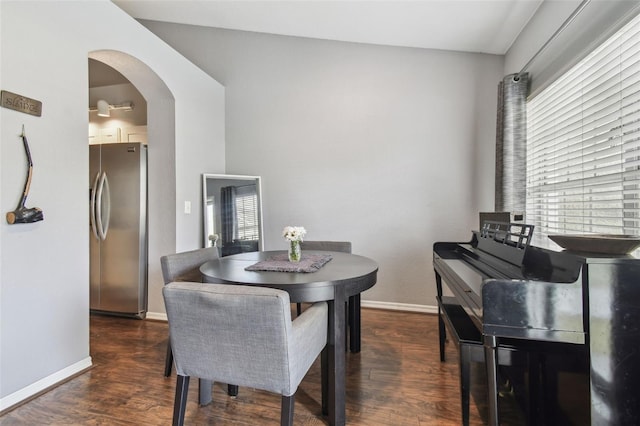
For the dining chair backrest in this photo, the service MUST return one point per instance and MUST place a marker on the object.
(341, 246)
(185, 266)
(353, 304)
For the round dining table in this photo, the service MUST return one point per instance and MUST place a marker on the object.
(343, 276)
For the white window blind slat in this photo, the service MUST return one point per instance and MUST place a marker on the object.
(583, 147)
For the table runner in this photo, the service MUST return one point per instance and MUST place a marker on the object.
(280, 263)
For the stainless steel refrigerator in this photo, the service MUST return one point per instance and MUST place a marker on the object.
(118, 221)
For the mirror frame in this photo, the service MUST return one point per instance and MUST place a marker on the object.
(223, 177)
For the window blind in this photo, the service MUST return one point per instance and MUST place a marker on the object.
(247, 213)
(583, 144)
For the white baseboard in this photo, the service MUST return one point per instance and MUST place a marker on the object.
(156, 316)
(44, 384)
(405, 307)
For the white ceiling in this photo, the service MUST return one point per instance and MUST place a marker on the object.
(485, 26)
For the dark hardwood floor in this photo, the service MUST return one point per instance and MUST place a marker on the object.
(396, 380)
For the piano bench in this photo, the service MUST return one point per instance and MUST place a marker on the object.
(468, 340)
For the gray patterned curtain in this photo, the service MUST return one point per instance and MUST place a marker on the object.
(228, 215)
(511, 138)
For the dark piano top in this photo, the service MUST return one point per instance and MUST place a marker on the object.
(528, 291)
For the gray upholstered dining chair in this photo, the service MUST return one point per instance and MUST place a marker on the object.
(184, 266)
(242, 334)
(353, 305)
(341, 246)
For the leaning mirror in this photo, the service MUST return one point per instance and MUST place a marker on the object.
(232, 213)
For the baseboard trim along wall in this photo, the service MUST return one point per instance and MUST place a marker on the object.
(156, 316)
(33, 390)
(405, 307)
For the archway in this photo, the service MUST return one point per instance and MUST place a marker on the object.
(161, 160)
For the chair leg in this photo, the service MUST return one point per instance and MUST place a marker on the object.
(180, 403)
(354, 323)
(232, 390)
(346, 326)
(168, 363)
(298, 309)
(205, 392)
(286, 413)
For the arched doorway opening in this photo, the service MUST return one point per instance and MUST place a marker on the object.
(161, 228)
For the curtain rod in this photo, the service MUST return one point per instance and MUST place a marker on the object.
(555, 35)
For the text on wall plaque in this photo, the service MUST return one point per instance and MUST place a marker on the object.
(21, 103)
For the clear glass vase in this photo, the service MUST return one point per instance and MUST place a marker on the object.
(295, 252)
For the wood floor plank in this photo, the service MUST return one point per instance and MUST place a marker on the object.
(397, 379)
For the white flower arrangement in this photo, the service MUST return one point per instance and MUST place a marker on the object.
(294, 233)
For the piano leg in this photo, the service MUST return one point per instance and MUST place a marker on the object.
(442, 332)
(491, 361)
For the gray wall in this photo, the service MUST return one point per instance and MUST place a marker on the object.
(391, 148)
(44, 267)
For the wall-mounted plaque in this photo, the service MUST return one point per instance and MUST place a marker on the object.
(21, 103)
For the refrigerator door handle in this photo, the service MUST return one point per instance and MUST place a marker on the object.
(92, 212)
(103, 206)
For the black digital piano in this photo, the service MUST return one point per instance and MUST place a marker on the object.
(514, 291)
